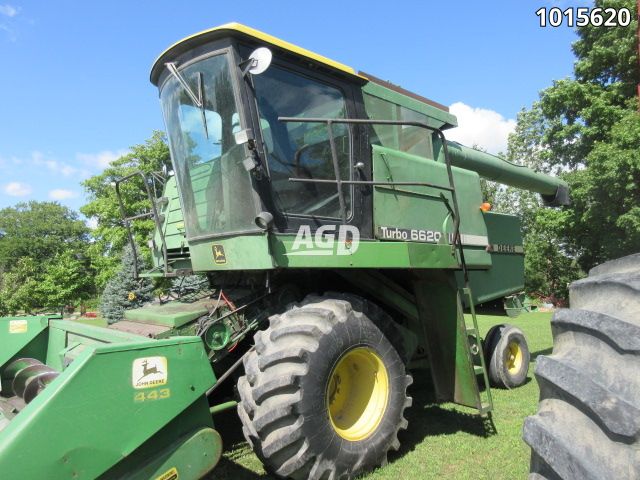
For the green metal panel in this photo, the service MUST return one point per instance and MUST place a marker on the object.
(172, 314)
(507, 273)
(170, 455)
(16, 333)
(97, 397)
(440, 309)
(241, 252)
(428, 209)
(369, 254)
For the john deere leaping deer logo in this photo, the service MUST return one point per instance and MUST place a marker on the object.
(149, 372)
(219, 256)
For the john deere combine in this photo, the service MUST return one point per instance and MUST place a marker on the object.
(341, 234)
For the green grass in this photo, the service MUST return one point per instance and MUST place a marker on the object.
(95, 322)
(443, 441)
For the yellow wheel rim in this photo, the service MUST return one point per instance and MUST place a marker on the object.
(514, 357)
(357, 394)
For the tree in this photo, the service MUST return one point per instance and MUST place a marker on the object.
(586, 129)
(66, 279)
(110, 235)
(40, 231)
(604, 221)
(20, 287)
(38, 253)
(123, 291)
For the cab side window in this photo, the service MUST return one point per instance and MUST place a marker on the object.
(406, 138)
(302, 150)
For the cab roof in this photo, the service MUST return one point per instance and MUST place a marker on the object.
(433, 109)
(243, 31)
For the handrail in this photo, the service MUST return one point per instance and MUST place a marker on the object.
(153, 213)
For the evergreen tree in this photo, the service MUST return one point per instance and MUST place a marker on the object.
(123, 291)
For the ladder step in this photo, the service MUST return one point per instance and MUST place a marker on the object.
(478, 370)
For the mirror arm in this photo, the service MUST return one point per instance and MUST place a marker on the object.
(247, 65)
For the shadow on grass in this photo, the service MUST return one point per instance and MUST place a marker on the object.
(227, 468)
(546, 351)
(229, 426)
(426, 418)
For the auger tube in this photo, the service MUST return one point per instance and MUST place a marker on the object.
(554, 191)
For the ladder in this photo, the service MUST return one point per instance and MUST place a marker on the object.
(477, 354)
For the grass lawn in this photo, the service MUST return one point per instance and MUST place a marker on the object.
(443, 441)
(96, 322)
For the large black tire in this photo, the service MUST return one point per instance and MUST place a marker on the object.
(588, 422)
(284, 392)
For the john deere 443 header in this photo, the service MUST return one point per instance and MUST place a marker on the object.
(341, 235)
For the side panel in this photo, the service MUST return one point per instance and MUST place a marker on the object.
(440, 311)
(247, 252)
(425, 208)
(18, 334)
(506, 275)
(102, 395)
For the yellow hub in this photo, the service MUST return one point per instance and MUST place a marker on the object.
(357, 394)
(514, 357)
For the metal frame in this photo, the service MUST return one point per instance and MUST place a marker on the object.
(153, 213)
(339, 182)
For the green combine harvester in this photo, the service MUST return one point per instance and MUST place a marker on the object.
(342, 237)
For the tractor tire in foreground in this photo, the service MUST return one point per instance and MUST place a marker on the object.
(588, 422)
(324, 391)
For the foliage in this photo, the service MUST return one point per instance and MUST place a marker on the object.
(20, 287)
(39, 258)
(604, 221)
(40, 231)
(580, 112)
(123, 291)
(548, 270)
(587, 130)
(110, 235)
(65, 280)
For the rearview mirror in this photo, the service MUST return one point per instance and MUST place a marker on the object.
(258, 61)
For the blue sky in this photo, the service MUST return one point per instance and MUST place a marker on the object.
(74, 88)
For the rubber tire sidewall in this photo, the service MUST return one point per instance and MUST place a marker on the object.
(357, 331)
(499, 374)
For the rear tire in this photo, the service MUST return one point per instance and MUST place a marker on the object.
(588, 421)
(305, 409)
(507, 356)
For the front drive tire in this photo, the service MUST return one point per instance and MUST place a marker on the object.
(324, 391)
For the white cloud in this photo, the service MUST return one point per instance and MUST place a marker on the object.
(8, 10)
(17, 189)
(62, 194)
(38, 158)
(481, 127)
(92, 223)
(100, 159)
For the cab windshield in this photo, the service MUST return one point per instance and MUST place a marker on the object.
(215, 188)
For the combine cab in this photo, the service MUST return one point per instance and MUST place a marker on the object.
(341, 235)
